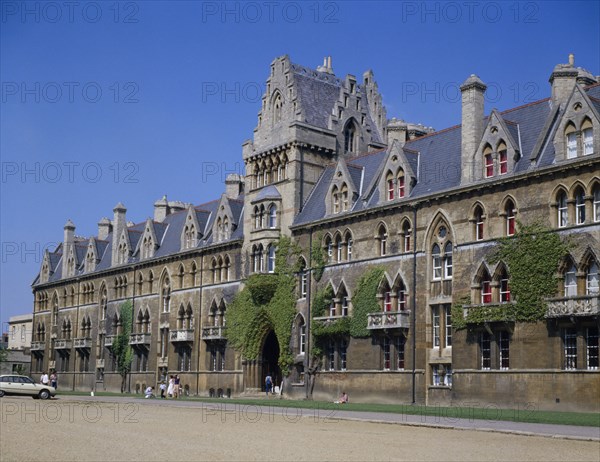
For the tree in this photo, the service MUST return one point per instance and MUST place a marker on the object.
(3, 354)
(121, 347)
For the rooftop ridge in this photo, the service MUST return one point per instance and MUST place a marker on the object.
(454, 127)
(526, 105)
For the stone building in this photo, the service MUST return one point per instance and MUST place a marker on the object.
(326, 166)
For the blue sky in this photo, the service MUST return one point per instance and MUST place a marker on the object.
(105, 102)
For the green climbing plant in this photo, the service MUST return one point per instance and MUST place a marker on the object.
(121, 347)
(268, 301)
(365, 301)
(532, 256)
(318, 258)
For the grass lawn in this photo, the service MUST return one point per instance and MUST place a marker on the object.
(446, 414)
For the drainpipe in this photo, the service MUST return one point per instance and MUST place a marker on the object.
(414, 308)
(308, 318)
(200, 323)
(301, 181)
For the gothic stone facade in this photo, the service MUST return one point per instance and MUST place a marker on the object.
(427, 206)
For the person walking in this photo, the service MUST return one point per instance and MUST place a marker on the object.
(268, 384)
(44, 378)
(176, 387)
(163, 388)
(171, 385)
(53, 379)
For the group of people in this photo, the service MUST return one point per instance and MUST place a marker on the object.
(51, 380)
(172, 390)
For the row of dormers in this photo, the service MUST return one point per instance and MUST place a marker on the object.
(124, 243)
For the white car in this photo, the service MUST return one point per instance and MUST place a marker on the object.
(21, 385)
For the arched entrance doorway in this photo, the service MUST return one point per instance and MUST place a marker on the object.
(270, 359)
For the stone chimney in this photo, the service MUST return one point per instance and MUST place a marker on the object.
(396, 131)
(472, 91)
(234, 186)
(563, 79)
(119, 224)
(326, 67)
(104, 228)
(68, 241)
(161, 209)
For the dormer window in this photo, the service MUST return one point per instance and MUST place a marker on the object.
(390, 186)
(488, 159)
(588, 142)
(122, 253)
(503, 158)
(345, 202)
(336, 200)
(571, 136)
(400, 181)
(147, 247)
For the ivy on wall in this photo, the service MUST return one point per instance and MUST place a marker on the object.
(532, 256)
(121, 347)
(318, 258)
(364, 302)
(267, 302)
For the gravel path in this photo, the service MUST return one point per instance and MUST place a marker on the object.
(80, 429)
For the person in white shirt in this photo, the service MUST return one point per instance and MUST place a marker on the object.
(44, 378)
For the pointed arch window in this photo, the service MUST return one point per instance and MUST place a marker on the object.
(401, 294)
(271, 257)
(329, 248)
(592, 279)
(256, 217)
(479, 223)
(382, 237)
(389, 181)
(349, 244)
(303, 279)
(504, 287)
(596, 205)
(350, 138)
(339, 248)
(571, 138)
(273, 216)
(277, 105)
(335, 199)
(502, 158)
(486, 288)
(166, 295)
(436, 260)
(55, 310)
(571, 281)
(561, 209)
(510, 218)
(406, 236)
(588, 137)
(488, 161)
(103, 303)
(448, 260)
(400, 183)
(579, 206)
(344, 194)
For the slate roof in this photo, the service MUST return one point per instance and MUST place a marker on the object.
(436, 158)
(318, 92)
(168, 234)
